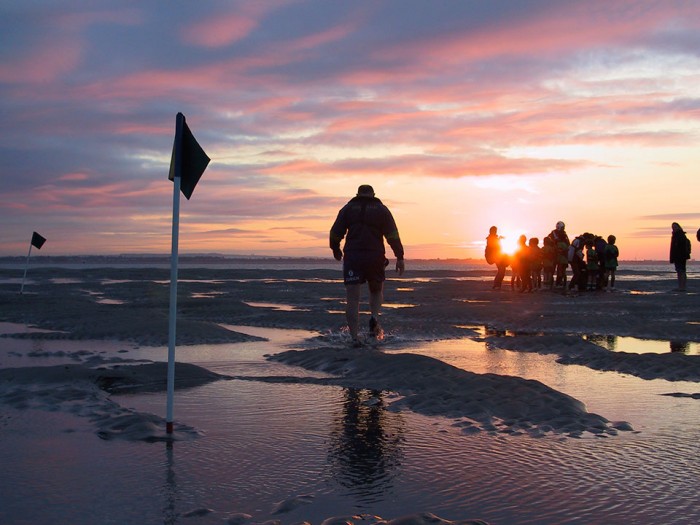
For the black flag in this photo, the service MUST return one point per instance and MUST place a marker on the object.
(37, 240)
(193, 160)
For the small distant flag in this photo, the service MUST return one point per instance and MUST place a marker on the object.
(193, 159)
(37, 240)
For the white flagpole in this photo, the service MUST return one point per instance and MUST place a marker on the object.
(26, 265)
(173, 273)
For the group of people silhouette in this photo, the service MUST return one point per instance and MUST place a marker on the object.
(593, 261)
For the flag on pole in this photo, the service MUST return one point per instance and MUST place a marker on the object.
(187, 164)
(193, 160)
(37, 240)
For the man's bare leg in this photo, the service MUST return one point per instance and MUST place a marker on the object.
(376, 297)
(352, 308)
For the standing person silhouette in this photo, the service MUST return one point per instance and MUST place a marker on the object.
(679, 254)
(494, 255)
(561, 243)
(365, 222)
(611, 252)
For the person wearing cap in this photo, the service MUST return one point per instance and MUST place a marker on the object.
(365, 222)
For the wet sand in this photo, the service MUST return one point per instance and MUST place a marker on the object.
(130, 305)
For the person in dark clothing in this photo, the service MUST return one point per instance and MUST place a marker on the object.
(549, 261)
(494, 255)
(520, 266)
(365, 222)
(612, 252)
(576, 260)
(679, 254)
(535, 259)
(599, 244)
(561, 243)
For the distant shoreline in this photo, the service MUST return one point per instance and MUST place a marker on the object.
(160, 259)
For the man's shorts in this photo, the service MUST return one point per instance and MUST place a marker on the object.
(360, 267)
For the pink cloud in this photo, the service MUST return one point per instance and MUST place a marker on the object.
(426, 165)
(220, 31)
(322, 38)
(68, 177)
(84, 201)
(43, 62)
(136, 128)
(565, 28)
(59, 46)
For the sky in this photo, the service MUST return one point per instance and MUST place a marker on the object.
(461, 114)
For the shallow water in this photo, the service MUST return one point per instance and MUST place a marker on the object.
(635, 345)
(265, 442)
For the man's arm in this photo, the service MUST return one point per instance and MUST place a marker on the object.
(336, 236)
(394, 240)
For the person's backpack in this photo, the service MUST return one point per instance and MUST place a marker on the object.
(490, 254)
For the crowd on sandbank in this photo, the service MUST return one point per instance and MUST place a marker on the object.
(593, 260)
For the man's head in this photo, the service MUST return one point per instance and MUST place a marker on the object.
(365, 190)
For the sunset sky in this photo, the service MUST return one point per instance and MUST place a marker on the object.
(461, 114)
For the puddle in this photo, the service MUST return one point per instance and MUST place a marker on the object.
(277, 306)
(206, 295)
(633, 345)
(487, 330)
(630, 345)
(277, 336)
(101, 299)
(398, 305)
(106, 282)
(19, 328)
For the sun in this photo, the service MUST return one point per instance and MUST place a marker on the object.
(509, 241)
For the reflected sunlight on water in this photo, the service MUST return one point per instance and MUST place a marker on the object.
(265, 441)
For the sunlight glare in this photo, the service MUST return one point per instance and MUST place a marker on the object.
(509, 241)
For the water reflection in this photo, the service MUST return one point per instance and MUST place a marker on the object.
(635, 345)
(608, 342)
(365, 445)
(169, 488)
(276, 306)
(680, 346)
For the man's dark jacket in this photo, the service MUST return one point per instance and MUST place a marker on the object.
(365, 222)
